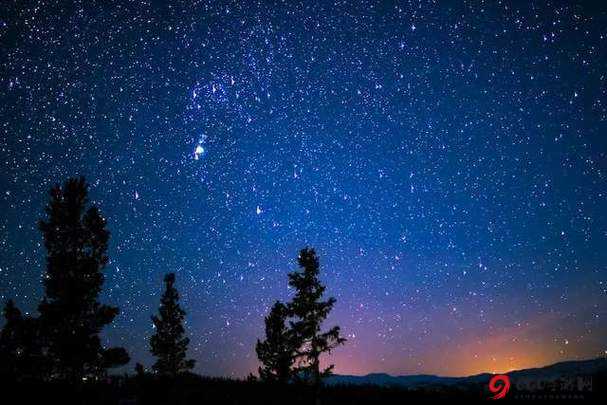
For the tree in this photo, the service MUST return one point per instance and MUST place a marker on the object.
(277, 352)
(139, 370)
(20, 346)
(10, 340)
(309, 311)
(169, 344)
(76, 240)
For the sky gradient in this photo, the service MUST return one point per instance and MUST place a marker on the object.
(447, 161)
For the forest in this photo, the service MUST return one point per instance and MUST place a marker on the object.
(58, 356)
(62, 347)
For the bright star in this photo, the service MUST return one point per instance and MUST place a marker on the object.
(198, 152)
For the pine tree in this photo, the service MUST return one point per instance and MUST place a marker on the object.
(277, 352)
(76, 240)
(10, 341)
(309, 311)
(21, 356)
(169, 344)
(139, 371)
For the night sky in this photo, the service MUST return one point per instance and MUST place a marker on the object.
(447, 161)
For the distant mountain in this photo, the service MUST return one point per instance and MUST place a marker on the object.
(563, 369)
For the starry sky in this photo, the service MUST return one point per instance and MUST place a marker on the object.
(447, 160)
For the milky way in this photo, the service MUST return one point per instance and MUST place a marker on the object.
(447, 161)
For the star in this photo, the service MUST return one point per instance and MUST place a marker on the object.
(198, 152)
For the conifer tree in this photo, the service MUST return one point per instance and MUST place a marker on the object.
(169, 344)
(21, 355)
(11, 341)
(277, 351)
(76, 240)
(309, 312)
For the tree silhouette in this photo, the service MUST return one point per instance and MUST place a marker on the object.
(76, 240)
(309, 312)
(139, 370)
(169, 344)
(10, 340)
(20, 346)
(277, 351)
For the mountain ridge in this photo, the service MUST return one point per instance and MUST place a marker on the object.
(555, 370)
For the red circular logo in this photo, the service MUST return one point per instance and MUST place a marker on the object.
(499, 385)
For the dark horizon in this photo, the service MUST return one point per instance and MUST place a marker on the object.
(539, 367)
(447, 163)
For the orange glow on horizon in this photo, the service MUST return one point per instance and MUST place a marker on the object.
(524, 346)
